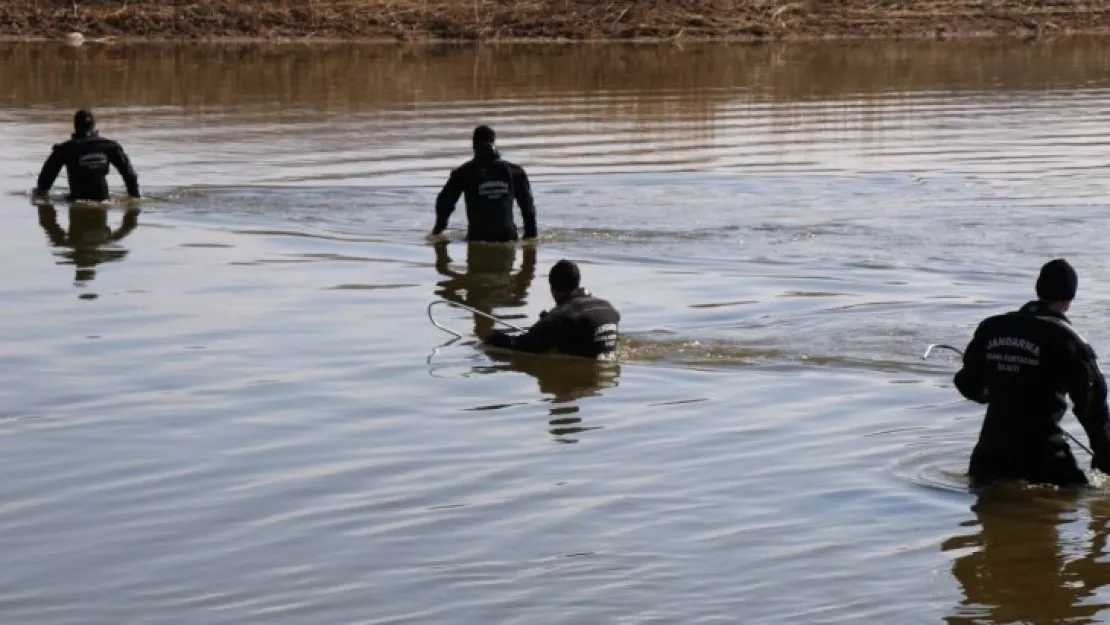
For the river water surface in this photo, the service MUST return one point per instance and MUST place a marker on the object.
(234, 409)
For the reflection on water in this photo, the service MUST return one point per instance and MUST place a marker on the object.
(487, 280)
(566, 380)
(1032, 559)
(88, 240)
(784, 228)
(284, 79)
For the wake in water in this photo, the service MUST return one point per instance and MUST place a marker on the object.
(59, 196)
(659, 348)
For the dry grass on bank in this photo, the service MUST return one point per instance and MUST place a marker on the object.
(551, 19)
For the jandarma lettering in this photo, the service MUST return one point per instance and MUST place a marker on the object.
(1010, 341)
(1021, 360)
(493, 187)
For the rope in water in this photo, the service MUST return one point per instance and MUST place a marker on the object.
(467, 308)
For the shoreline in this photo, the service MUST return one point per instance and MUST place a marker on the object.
(542, 21)
(310, 40)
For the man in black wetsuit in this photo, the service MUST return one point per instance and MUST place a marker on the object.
(489, 185)
(579, 325)
(86, 157)
(1022, 364)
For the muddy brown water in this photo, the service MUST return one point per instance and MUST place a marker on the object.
(235, 408)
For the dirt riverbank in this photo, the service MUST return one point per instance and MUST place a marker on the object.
(515, 20)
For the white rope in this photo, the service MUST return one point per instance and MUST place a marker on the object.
(468, 308)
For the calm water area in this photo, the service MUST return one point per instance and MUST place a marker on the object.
(236, 410)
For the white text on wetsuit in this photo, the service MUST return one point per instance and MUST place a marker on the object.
(606, 334)
(1012, 362)
(493, 189)
(93, 160)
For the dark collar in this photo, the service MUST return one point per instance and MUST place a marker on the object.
(575, 294)
(486, 153)
(1040, 309)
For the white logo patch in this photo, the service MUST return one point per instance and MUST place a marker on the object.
(93, 160)
(494, 189)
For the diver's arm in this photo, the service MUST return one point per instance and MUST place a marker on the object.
(50, 170)
(118, 157)
(446, 200)
(522, 191)
(969, 380)
(541, 337)
(1087, 390)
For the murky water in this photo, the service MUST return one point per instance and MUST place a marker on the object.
(235, 409)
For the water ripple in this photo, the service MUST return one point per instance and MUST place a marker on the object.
(239, 412)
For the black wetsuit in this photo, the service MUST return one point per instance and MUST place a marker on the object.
(86, 159)
(489, 185)
(1022, 364)
(583, 325)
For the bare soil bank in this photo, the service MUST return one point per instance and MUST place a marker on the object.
(493, 20)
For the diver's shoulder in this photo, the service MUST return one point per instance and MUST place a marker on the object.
(106, 142)
(588, 301)
(516, 168)
(464, 168)
(1019, 317)
(93, 142)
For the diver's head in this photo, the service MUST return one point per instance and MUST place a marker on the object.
(564, 279)
(484, 141)
(84, 123)
(1057, 284)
